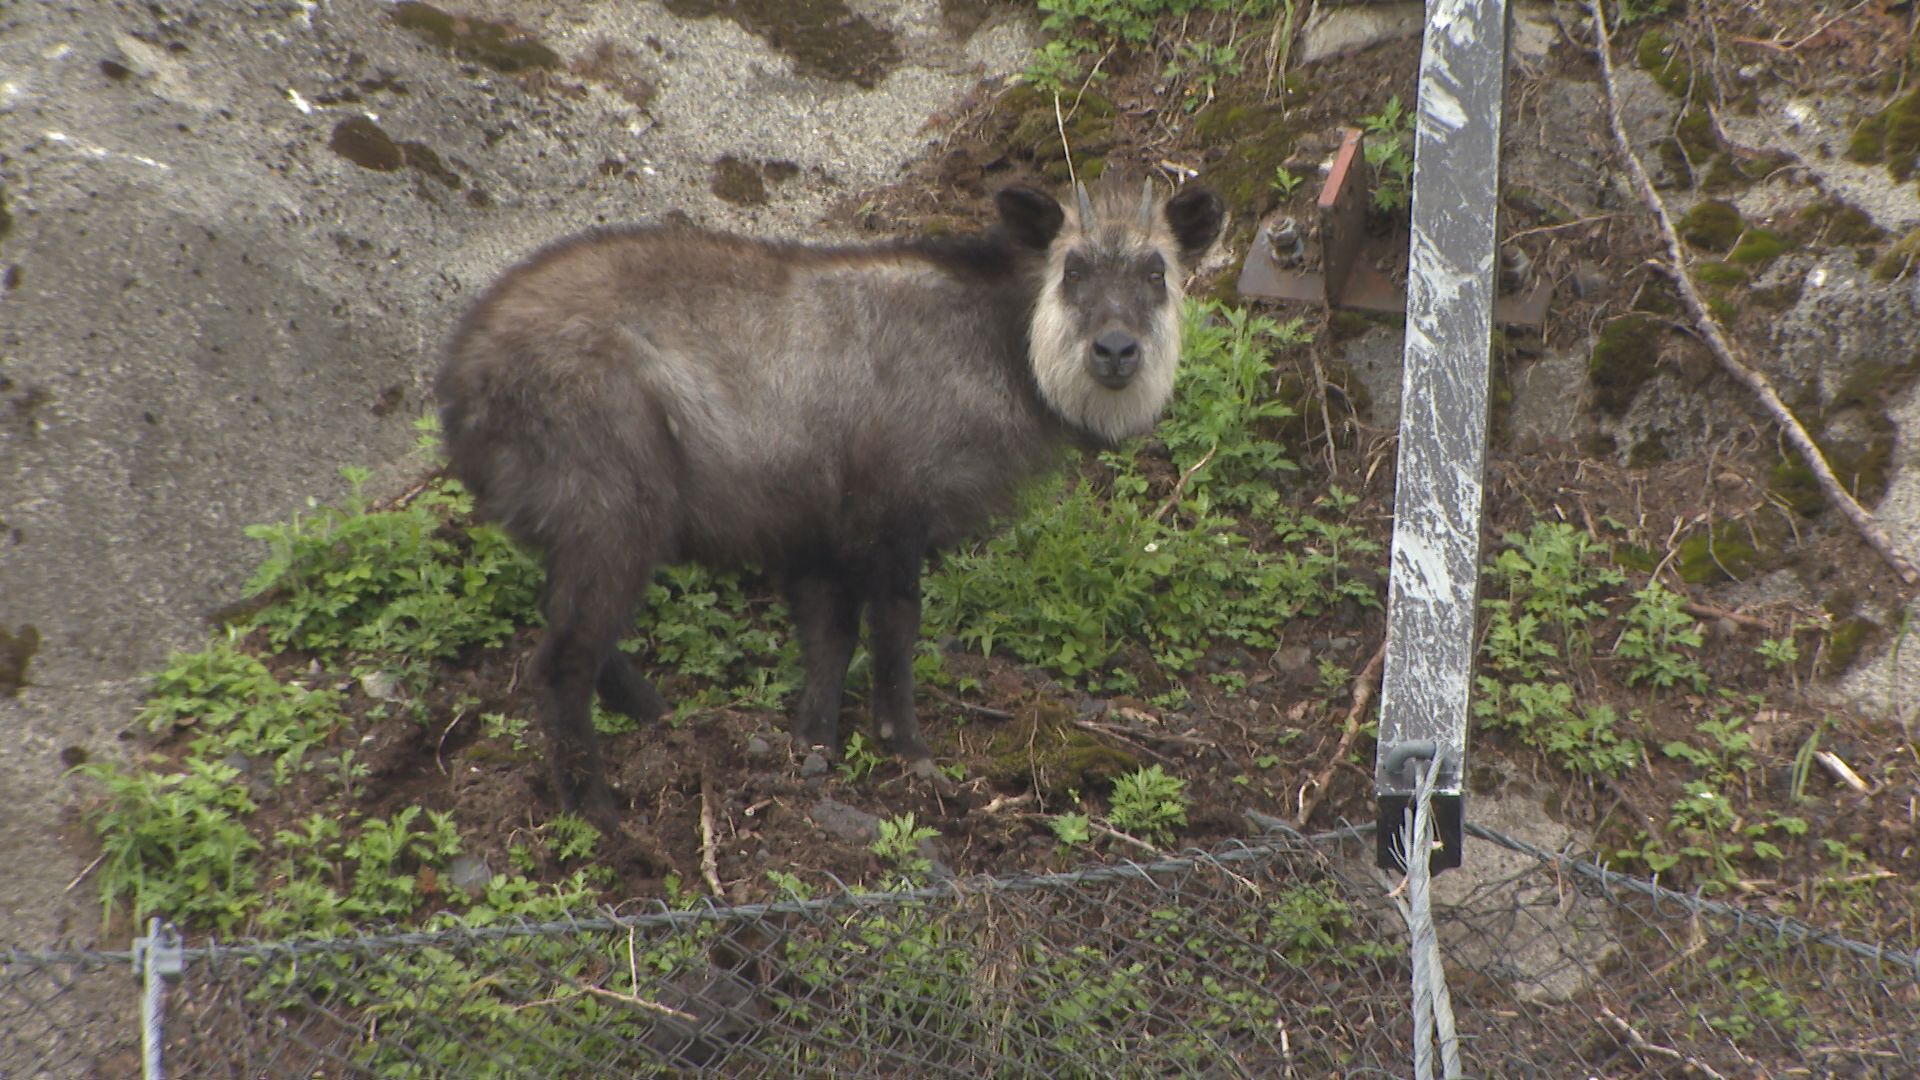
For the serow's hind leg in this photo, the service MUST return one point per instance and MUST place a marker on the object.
(624, 690)
(893, 630)
(585, 614)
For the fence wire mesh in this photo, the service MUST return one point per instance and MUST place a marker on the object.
(1280, 957)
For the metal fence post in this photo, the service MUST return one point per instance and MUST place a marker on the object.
(1434, 587)
(157, 960)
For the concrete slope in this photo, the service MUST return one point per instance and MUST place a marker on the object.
(238, 231)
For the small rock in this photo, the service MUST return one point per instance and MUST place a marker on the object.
(380, 686)
(937, 867)
(845, 822)
(814, 764)
(1589, 280)
(469, 873)
(1345, 31)
(758, 748)
(1293, 659)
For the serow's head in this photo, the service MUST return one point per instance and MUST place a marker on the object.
(1106, 325)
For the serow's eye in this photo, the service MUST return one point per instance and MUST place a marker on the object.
(1076, 269)
(1157, 271)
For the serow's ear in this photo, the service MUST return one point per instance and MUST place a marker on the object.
(1195, 216)
(1031, 216)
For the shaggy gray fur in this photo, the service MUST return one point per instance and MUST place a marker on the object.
(633, 397)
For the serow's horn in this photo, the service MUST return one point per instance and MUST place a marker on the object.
(1146, 205)
(1084, 204)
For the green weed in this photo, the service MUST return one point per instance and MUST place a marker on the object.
(173, 843)
(859, 760)
(1071, 829)
(231, 704)
(1389, 149)
(404, 581)
(1149, 803)
(1657, 633)
(1555, 578)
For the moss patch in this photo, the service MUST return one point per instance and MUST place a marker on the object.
(498, 45)
(364, 143)
(1792, 483)
(367, 145)
(16, 652)
(1040, 746)
(1664, 59)
(1835, 224)
(1900, 259)
(1719, 273)
(738, 182)
(1850, 634)
(1721, 551)
(1259, 138)
(1778, 297)
(1035, 134)
(1625, 356)
(1891, 135)
(1712, 225)
(1758, 247)
(825, 39)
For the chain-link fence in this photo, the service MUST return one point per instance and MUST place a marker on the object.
(1280, 957)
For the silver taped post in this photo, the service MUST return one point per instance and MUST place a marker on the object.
(158, 960)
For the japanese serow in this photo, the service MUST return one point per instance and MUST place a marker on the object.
(639, 396)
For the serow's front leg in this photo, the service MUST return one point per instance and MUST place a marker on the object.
(893, 630)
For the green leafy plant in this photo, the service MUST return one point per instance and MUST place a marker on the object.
(1149, 803)
(1201, 65)
(899, 844)
(1220, 429)
(230, 704)
(727, 647)
(1554, 578)
(1071, 829)
(1058, 67)
(401, 581)
(1557, 573)
(572, 838)
(859, 759)
(174, 843)
(1656, 634)
(1389, 150)
(1778, 652)
(1286, 182)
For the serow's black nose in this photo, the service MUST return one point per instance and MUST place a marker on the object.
(1116, 356)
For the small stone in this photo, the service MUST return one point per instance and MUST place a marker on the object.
(845, 822)
(1293, 659)
(469, 873)
(758, 748)
(380, 686)
(814, 764)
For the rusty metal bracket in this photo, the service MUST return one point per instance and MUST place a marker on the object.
(1330, 262)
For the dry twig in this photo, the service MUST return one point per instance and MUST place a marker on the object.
(1640, 1043)
(1716, 338)
(1311, 791)
(709, 862)
(1841, 771)
(1180, 485)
